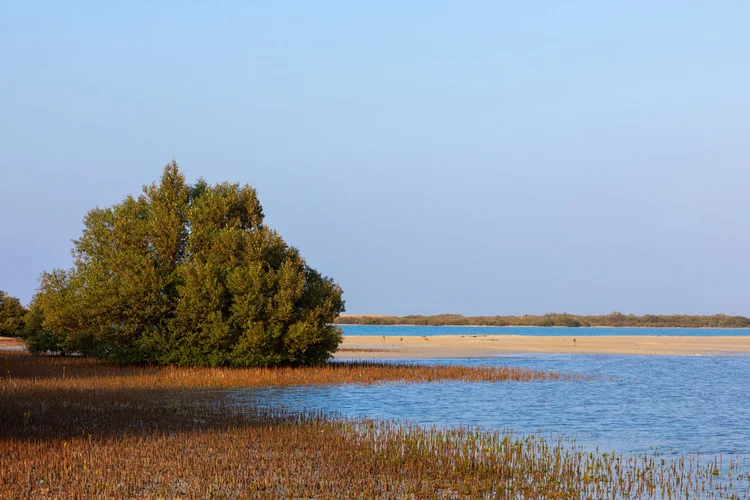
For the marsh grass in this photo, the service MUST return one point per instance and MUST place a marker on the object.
(75, 428)
(21, 370)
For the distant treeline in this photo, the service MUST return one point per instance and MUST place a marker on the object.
(557, 319)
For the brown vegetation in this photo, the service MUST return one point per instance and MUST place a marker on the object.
(75, 428)
(26, 373)
(553, 319)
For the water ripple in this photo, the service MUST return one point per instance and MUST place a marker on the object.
(670, 404)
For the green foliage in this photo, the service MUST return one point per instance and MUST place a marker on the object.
(615, 319)
(12, 315)
(187, 275)
(41, 340)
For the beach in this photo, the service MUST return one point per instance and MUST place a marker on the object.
(477, 346)
(11, 343)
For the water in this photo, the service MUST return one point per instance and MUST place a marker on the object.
(669, 404)
(427, 331)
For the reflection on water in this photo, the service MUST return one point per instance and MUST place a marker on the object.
(427, 331)
(673, 405)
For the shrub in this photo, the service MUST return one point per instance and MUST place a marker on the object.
(12, 315)
(188, 275)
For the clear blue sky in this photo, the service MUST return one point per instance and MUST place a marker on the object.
(470, 157)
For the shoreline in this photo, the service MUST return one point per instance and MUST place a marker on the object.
(492, 345)
(482, 346)
(11, 344)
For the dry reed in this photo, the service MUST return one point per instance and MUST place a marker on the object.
(20, 369)
(154, 436)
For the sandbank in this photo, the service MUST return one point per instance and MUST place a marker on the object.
(479, 346)
(11, 344)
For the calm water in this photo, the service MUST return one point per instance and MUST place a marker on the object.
(673, 405)
(420, 331)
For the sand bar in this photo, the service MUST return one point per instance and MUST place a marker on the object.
(477, 346)
(11, 344)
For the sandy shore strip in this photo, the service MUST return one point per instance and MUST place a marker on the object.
(11, 344)
(478, 346)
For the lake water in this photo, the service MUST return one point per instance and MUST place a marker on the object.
(422, 331)
(670, 404)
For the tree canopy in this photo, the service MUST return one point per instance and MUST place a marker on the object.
(12, 315)
(186, 275)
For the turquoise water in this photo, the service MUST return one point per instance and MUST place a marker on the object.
(672, 405)
(427, 331)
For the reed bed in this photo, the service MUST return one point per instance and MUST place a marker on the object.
(317, 458)
(21, 370)
(63, 438)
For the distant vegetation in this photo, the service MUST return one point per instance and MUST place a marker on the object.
(186, 275)
(614, 319)
(12, 316)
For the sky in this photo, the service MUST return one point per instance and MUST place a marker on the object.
(464, 157)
